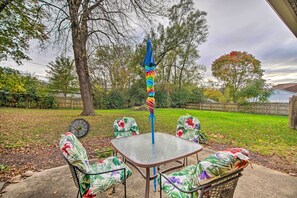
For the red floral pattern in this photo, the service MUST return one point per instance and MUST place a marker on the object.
(190, 122)
(179, 133)
(121, 123)
(89, 194)
(65, 147)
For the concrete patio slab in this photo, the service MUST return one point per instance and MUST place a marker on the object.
(57, 182)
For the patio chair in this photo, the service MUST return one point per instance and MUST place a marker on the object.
(188, 128)
(214, 177)
(125, 126)
(91, 179)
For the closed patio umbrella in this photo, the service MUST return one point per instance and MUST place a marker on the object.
(149, 65)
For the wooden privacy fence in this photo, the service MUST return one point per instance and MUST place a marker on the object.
(261, 108)
(67, 102)
(293, 112)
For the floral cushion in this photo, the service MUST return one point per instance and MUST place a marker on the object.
(182, 179)
(125, 126)
(188, 128)
(92, 184)
(102, 182)
(220, 163)
(74, 151)
(214, 166)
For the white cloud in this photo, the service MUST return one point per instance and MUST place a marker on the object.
(250, 26)
(242, 25)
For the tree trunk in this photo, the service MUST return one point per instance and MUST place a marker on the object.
(79, 40)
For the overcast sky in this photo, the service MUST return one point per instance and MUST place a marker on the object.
(240, 25)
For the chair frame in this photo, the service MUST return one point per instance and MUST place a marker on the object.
(208, 186)
(74, 172)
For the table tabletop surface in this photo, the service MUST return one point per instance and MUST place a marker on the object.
(139, 148)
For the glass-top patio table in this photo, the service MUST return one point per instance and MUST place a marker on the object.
(139, 151)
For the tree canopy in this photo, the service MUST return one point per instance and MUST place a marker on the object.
(20, 21)
(235, 70)
(62, 76)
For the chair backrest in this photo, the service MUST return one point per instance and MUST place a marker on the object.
(73, 173)
(188, 128)
(74, 152)
(220, 164)
(125, 126)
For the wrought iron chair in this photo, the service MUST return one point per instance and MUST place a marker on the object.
(214, 177)
(125, 126)
(91, 179)
(188, 128)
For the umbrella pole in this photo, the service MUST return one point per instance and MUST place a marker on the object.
(152, 119)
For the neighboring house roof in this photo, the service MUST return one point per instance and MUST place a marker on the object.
(287, 11)
(291, 87)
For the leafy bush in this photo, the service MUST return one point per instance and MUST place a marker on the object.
(196, 95)
(115, 99)
(137, 93)
(179, 97)
(48, 102)
(161, 98)
(23, 90)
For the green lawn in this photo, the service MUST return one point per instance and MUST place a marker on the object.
(265, 134)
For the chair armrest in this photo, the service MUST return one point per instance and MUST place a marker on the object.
(98, 173)
(185, 191)
(208, 185)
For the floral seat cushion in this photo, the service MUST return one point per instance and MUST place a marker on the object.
(221, 163)
(214, 166)
(188, 128)
(89, 185)
(182, 179)
(102, 182)
(125, 126)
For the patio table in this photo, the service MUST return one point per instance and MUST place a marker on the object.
(139, 151)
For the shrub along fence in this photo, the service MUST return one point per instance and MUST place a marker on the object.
(261, 108)
(27, 100)
(68, 102)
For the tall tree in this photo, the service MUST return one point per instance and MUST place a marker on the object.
(61, 75)
(190, 26)
(20, 21)
(257, 90)
(101, 22)
(235, 70)
(176, 46)
(110, 66)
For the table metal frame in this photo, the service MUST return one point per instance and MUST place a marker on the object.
(137, 165)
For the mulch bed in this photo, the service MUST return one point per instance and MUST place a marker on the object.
(37, 158)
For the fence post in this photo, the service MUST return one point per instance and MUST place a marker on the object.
(293, 112)
(71, 103)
